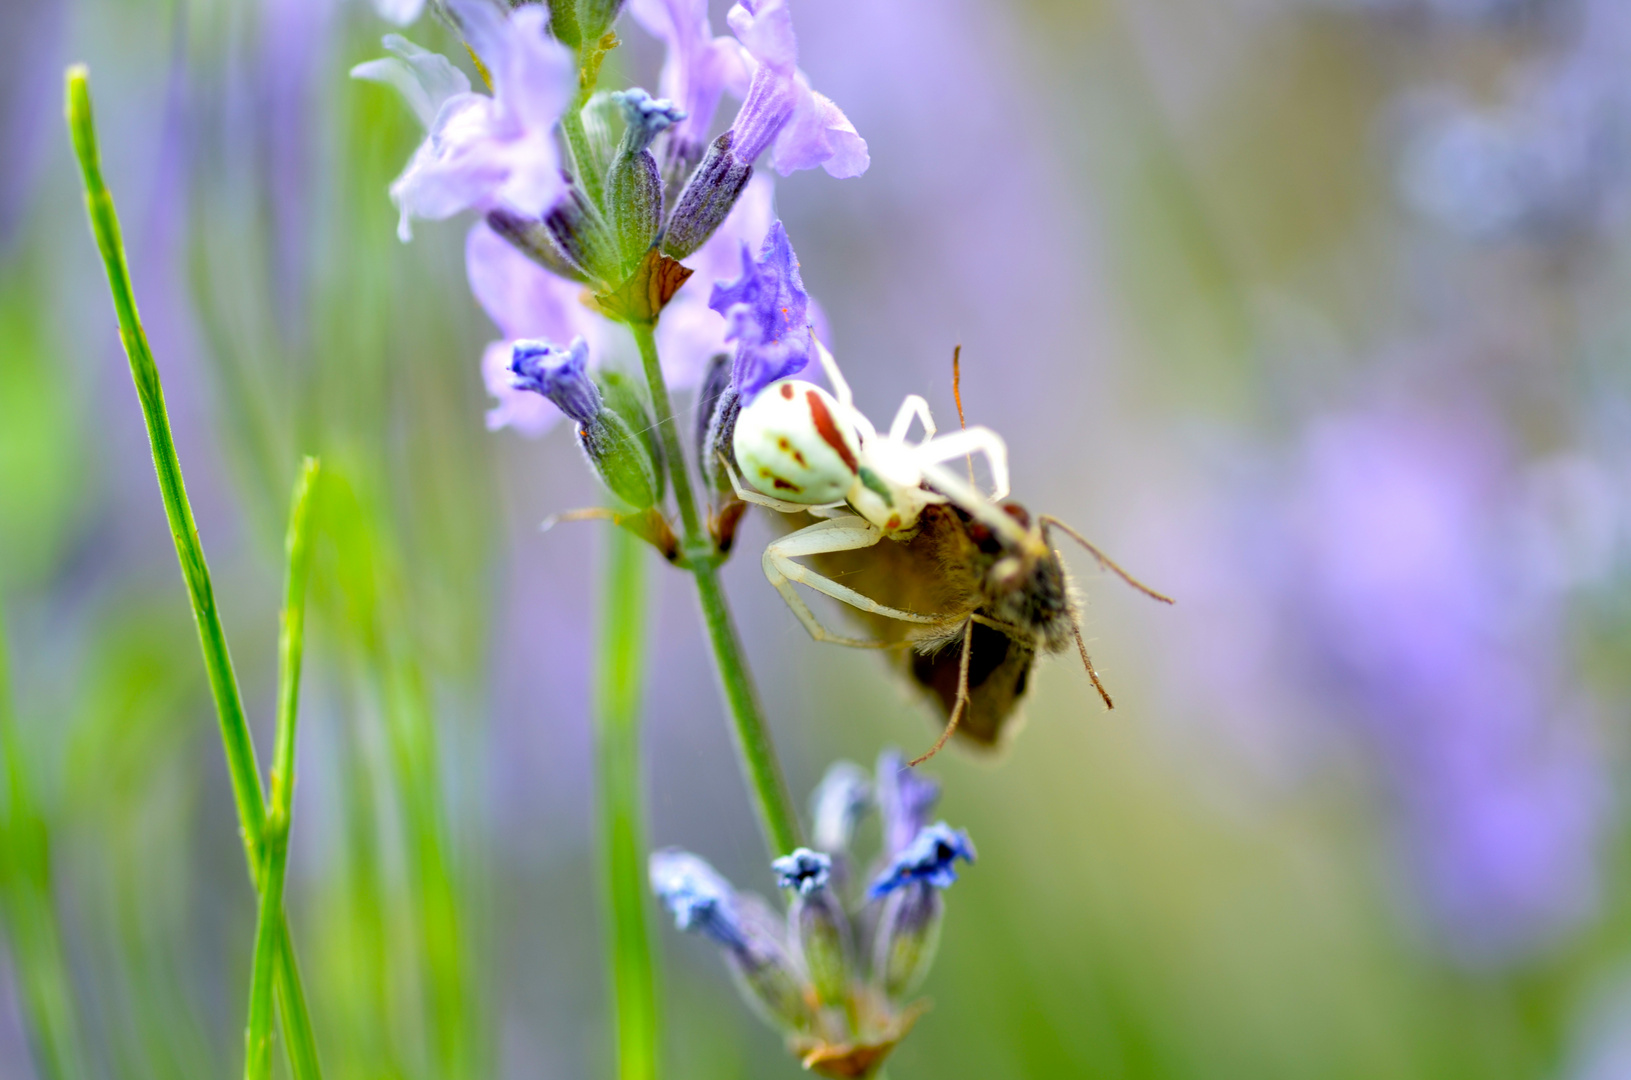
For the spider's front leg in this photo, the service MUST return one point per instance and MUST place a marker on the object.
(825, 538)
(913, 406)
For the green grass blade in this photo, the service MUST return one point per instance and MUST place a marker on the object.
(275, 839)
(622, 840)
(30, 916)
(144, 372)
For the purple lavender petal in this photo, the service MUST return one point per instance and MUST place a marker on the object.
(766, 314)
(781, 113)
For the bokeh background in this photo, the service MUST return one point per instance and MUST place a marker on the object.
(1312, 312)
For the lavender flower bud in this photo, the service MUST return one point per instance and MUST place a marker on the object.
(625, 398)
(749, 933)
(533, 240)
(563, 21)
(595, 17)
(816, 923)
(614, 451)
(634, 187)
(581, 233)
(908, 928)
(907, 936)
(839, 803)
(717, 406)
(708, 197)
(906, 798)
(930, 858)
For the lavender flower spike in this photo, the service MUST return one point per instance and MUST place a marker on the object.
(800, 128)
(560, 374)
(767, 314)
(929, 858)
(479, 151)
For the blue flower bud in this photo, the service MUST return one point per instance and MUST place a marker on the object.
(634, 186)
(751, 936)
(560, 374)
(906, 937)
(619, 456)
(906, 798)
(928, 858)
(838, 805)
(706, 199)
(816, 923)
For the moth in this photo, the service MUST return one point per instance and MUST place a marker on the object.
(967, 587)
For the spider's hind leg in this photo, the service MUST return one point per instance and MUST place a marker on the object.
(823, 538)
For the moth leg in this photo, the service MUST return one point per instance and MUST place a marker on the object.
(961, 705)
(966, 443)
(822, 538)
(913, 406)
(748, 495)
(1081, 646)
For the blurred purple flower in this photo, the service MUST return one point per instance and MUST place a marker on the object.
(800, 128)
(1553, 160)
(479, 151)
(400, 12)
(766, 312)
(905, 799)
(1446, 651)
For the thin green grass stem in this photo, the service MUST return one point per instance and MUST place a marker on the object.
(754, 748)
(618, 679)
(235, 737)
(275, 838)
(29, 910)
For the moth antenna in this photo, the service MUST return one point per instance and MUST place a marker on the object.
(1081, 646)
(957, 396)
(961, 703)
(1048, 520)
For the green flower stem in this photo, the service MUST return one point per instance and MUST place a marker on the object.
(235, 737)
(275, 838)
(30, 917)
(578, 140)
(617, 718)
(753, 745)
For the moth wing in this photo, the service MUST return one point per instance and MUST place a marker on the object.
(999, 672)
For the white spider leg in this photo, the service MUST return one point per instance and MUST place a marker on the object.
(965, 443)
(840, 388)
(963, 495)
(914, 405)
(748, 495)
(826, 537)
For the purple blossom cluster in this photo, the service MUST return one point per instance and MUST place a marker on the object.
(1551, 158)
(1389, 588)
(557, 226)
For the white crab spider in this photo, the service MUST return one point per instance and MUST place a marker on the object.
(804, 449)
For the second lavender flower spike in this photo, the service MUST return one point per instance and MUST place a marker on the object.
(835, 975)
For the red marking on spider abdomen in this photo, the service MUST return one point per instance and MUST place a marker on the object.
(828, 430)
